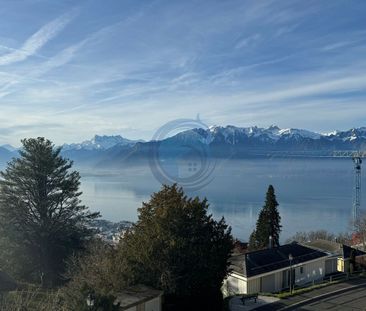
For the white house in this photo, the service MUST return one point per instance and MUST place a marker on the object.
(341, 254)
(271, 270)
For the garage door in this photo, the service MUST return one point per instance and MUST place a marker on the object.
(268, 284)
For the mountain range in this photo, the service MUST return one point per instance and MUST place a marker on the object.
(218, 141)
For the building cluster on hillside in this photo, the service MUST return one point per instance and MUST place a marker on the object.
(109, 231)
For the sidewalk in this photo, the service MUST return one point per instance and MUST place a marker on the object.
(235, 303)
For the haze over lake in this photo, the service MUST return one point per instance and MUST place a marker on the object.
(313, 193)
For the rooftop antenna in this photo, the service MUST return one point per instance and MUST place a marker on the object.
(270, 242)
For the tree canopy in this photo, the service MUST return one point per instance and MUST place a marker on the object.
(177, 246)
(268, 225)
(42, 220)
(304, 237)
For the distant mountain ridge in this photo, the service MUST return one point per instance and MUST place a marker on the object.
(274, 134)
(5, 155)
(228, 142)
(221, 141)
(101, 142)
(8, 147)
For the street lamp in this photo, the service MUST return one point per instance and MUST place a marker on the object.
(90, 300)
(290, 257)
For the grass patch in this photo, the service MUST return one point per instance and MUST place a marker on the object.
(303, 290)
(286, 294)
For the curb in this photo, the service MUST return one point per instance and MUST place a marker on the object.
(297, 304)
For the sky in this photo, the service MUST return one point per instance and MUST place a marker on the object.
(73, 69)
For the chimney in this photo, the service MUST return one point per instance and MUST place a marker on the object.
(270, 243)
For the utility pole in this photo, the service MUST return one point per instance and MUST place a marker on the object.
(290, 258)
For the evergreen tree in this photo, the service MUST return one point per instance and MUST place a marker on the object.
(252, 245)
(41, 218)
(177, 247)
(268, 223)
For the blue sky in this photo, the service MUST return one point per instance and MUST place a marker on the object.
(72, 69)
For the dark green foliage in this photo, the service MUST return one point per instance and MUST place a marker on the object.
(41, 219)
(268, 224)
(177, 247)
(252, 245)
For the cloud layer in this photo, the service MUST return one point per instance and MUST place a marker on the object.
(130, 67)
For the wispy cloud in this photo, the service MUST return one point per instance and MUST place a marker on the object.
(342, 44)
(34, 43)
(60, 59)
(244, 42)
(239, 62)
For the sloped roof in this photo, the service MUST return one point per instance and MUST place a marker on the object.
(334, 248)
(347, 252)
(328, 246)
(136, 295)
(267, 260)
(6, 282)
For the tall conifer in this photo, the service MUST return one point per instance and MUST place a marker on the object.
(268, 224)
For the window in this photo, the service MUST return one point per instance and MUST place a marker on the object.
(301, 270)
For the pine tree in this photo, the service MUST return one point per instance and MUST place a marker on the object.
(253, 241)
(268, 223)
(178, 247)
(41, 218)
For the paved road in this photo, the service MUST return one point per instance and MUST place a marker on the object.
(349, 295)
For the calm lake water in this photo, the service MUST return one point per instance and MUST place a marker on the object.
(312, 193)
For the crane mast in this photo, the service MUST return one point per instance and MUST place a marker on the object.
(357, 157)
(357, 160)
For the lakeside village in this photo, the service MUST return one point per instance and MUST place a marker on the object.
(110, 232)
(57, 255)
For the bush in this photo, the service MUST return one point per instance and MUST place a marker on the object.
(90, 273)
(29, 300)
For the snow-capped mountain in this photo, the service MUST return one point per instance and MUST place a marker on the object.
(5, 156)
(9, 148)
(240, 142)
(351, 135)
(101, 143)
(272, 135)
(218, 141)
(221, 141)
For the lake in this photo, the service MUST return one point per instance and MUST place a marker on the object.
(313, 193)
